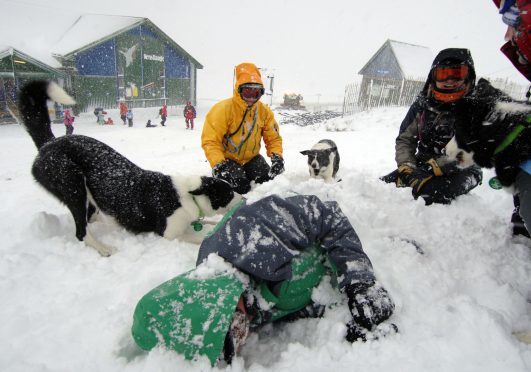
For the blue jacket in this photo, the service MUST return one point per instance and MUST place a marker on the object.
(262, 238)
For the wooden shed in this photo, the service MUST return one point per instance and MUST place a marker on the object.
(395, 74)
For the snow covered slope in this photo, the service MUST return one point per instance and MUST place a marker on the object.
(65, 308)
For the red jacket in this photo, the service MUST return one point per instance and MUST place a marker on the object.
(520, 45)
(68, 118)
(164, 111)
(123, 109)
(189, 112)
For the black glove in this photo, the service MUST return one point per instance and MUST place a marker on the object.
(230, 171)
(277, 166)
(356, 332)
(369, 304)
(414, 177)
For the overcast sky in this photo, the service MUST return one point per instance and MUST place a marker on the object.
(313, 47)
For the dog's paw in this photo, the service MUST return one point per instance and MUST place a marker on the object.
(103, 249)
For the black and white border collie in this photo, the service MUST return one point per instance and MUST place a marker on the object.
(323, 160)
(479, 136)
(89, 176)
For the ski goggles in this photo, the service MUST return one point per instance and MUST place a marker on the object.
(450, 73)
(251, 91)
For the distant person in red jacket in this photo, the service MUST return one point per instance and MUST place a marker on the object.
(123, 111)
(69, 122)
(189, 115)
(163, 112)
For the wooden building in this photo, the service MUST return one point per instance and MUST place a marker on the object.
(394, 75)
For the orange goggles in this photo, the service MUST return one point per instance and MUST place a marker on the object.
(251, 91)
(450, 73)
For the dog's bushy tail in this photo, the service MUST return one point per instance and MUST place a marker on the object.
(33, 108)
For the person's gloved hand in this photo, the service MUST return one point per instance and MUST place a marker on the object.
(228, 170)
(277, 166)
(414, 177)
(356, 332)
(370, 305)
(439, 167)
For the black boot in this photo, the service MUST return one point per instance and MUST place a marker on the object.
(517, 221)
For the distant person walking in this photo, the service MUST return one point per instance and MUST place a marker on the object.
(163, 112)
(189, 115)
(129, 117)
(69, 122)
(97, 111)
(123, 111)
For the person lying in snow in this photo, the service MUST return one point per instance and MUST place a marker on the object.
(259, 265)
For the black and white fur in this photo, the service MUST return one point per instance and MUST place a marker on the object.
(479, 133)
(88, 176)
(482, 122)
(475, 141)
(323, 160)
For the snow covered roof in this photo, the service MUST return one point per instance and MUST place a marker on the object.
(399, 60)
(414, 60)
(76, 33)
(91, 28)
(10, 51)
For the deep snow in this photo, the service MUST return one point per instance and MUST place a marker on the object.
(65, 308)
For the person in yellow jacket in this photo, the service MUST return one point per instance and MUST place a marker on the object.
(233, 131)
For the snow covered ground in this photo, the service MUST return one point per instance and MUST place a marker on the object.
(65, 308)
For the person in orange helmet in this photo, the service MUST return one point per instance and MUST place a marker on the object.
(233, 131)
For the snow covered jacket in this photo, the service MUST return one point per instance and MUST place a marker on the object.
(232, 130)
(429, 124)
(488, 109)
(262, 239)
(520, 45)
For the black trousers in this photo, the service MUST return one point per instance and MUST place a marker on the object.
(445, 188)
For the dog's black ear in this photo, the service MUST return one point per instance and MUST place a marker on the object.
(305, 152)
(196, 192)
(218, 191)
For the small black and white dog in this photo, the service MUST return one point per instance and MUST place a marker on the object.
(492, 133)
(323, 160)
(87, 175)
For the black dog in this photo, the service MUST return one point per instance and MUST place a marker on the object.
(323, 160)
(491, 131)
(87, 175)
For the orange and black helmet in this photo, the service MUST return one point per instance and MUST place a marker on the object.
(451, 63)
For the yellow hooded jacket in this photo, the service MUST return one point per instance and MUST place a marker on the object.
(228, 135)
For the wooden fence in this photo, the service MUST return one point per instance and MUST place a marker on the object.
(373, 93)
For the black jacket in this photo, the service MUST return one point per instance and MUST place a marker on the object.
(429, 124)
(484, 120)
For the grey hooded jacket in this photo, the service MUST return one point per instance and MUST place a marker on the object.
(262, 238)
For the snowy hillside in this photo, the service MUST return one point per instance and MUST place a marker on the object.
(65, 308)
